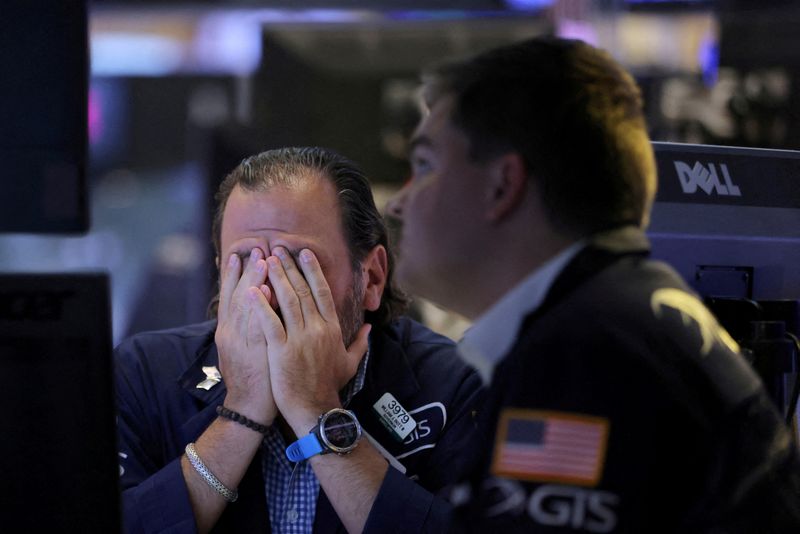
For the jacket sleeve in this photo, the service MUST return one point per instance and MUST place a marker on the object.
(402, 505)
(154, 494)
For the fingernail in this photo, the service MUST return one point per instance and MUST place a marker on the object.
(254, 254)
(305, 255)
(233, 259)
(273, 261)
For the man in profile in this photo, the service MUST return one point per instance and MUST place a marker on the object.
(227, 425)
(617, 403)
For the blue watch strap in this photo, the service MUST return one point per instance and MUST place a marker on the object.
(304, 448)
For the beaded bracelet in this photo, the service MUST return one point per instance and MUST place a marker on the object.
(236, 417)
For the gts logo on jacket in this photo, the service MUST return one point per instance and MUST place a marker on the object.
(553, 505)
(431, 420)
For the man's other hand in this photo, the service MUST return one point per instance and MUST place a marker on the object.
(241, 342)
(308, 361)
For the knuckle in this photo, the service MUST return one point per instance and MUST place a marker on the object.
(293, 307)
(324, 292)
(303, 291)
(276, 333)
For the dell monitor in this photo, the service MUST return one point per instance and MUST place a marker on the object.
(728, 220)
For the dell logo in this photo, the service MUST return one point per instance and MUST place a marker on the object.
(706, 178)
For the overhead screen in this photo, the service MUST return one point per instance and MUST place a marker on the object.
(43, 116)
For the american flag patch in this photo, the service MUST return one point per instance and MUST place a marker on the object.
(550, 447)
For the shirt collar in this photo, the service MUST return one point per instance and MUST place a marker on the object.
(495, 331)
(356, 384)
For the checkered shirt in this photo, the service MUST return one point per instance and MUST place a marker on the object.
(292, 489)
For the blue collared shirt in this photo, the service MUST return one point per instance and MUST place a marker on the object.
(493, 333)
(293, 489)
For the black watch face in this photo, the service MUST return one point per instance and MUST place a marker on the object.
(341, 430)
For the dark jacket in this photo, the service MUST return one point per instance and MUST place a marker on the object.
(161, 410)
(674, 430)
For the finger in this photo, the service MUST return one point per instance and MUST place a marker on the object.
(287, 298)
(357, 349)
(270, 295)
(320, 290)
(254, 271)
(299, 283)
(268, 321)
(228, 279)
(255, 336)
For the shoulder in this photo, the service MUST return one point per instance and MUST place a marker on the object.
(636, 319)
(411, 333)
(424, 373)
(188, 335)
(621, 304)
(169, 348)
(424, 369)
(427, 352)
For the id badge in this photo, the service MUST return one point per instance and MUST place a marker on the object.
(394, 417)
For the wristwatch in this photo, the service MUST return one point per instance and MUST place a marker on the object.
(337, 431)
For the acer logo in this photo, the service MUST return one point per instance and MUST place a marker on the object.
(33, 305)
(706, 178)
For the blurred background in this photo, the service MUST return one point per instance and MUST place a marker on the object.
(180, 92)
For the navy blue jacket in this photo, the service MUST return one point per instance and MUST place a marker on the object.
(621, 408)
(161, 410)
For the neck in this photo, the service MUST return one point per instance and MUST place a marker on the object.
(504, 267)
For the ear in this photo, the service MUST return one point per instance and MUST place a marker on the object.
(374, 270)
(506, 187)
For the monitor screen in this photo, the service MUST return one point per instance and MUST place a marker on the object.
(728, 219)
(58, 453)
(44, 69)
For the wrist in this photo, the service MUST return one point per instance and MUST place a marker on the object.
(256, 410)
(304, 418)
(337, 431)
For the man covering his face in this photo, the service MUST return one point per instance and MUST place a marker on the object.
(309, 403)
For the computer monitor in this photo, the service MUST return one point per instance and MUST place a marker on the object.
(722, 212)
(44, 73)
(728, 220)
(58, 452)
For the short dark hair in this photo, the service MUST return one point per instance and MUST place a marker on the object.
(572, 113)
(363, 225)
